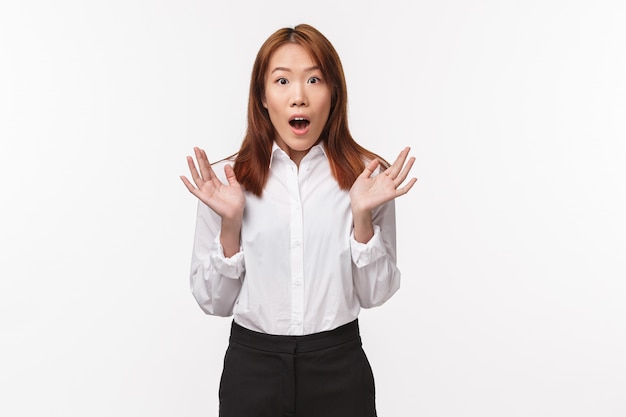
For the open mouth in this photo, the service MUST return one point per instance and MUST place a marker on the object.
(299, 123)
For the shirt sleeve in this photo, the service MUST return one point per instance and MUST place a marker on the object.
(214, 279)
(375, 273)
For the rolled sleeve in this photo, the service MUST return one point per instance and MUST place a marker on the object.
(232, 267)
(214, 279)
(364, 254)
(375, 274)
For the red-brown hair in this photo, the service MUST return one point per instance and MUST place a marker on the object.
(346, 157)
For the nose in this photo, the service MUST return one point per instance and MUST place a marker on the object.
(299, 96)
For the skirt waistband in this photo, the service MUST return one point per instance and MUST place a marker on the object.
(295, 344)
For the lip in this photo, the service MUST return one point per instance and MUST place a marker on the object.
(299, 116)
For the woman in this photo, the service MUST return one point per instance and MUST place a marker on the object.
(294, 238)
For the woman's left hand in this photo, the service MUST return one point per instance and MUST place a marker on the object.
(369, 192)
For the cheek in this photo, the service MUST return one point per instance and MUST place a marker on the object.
(327, 102)
(274, 116)
(327, 108)
(271, 101)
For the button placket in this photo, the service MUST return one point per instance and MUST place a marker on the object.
(296, 254)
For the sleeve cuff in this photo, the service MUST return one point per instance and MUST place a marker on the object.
(366, 253)
(232, 267)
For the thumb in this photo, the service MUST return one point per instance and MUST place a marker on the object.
(370, 168)
(230, 175)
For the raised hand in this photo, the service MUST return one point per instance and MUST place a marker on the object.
(369, 192)
(227, 200)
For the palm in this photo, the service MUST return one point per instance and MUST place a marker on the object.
(369, 192)
(227, 200)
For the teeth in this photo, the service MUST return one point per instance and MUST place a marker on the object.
(299, 122)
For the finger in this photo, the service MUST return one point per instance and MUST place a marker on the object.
(370, 168)
(203, 163)
(230, 175)
(404, 173)
(395, 168)
(193, 190)
(406, 188)
(194, 172)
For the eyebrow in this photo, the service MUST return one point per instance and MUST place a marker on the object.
(309, 69)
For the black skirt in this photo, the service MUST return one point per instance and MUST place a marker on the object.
(321, 375)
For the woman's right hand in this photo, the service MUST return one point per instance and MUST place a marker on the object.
(227, 200)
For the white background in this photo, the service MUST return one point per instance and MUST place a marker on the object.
(512, 243)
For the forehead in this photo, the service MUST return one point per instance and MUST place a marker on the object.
(291, 56)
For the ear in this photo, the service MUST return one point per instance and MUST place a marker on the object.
(264, 101)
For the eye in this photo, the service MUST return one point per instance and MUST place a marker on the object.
(314, 80)
(282, 81)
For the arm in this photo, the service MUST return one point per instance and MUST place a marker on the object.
(373, 243)
(217, 264)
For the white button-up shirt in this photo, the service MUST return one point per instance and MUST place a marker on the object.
(299, 270)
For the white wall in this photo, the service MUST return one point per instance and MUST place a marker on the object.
(512, 243)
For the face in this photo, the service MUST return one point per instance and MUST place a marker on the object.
(297, 99)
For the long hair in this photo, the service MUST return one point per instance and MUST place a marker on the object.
(346, 157)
